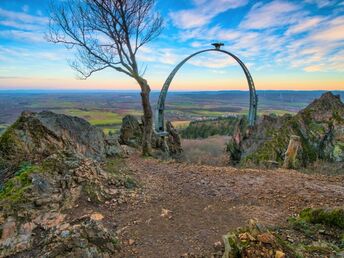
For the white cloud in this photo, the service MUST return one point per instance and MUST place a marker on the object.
(313, 68)
(273, 14)
(27, 36)
(19, 25)
(203, 12)
(334, 31)
(13, 54)
(304, 25)
(212, 61)
(323, 3)
(22, 17)
(22, 26)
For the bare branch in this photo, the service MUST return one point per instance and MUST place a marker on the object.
(104, 33)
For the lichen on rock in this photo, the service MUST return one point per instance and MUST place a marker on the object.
(49, 164)
(319, 128)
(35, 136)
(132, 132)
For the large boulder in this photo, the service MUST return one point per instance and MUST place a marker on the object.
(173, 140)
(35, 136)
(131, 132)
(320, 128)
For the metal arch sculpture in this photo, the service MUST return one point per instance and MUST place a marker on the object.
(159, 118)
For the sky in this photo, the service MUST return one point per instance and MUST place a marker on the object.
(287, 45)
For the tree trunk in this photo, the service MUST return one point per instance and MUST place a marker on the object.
(147, 118)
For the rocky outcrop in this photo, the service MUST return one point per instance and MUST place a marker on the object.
(293, 155)
(303, 236)
(36, 136)
(132, 132)
(50, 165)
(35, 203)
(173, 140)
(320, 128)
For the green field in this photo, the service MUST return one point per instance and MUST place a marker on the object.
(95, 117)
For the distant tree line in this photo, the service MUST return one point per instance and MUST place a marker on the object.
(206, 128)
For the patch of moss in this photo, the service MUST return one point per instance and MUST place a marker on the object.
(338, 151)
(9, 142)
(333, 217)
(114, 166)
(14, 189)
(118, 169)
(273, 149)
(130, 182)
(93, 192)
(337, 117)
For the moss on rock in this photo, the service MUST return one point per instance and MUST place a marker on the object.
(13, 190)
(331, 217)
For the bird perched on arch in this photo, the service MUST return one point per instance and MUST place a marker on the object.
(218, 45)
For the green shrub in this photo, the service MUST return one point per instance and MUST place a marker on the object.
(331, 217)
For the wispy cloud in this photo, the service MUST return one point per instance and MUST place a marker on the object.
(203, 12)
(27, 36)
(272, 14)
(22, 26)
(22, 17)
(323, 3)
(280, 33)
(304, 25)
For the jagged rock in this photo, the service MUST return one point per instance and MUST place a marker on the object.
(39, 196)
(173, 140)
(49, 165)
(132, 133)
(293, 154)
(35, 136)
(234, 143)
(320, 127)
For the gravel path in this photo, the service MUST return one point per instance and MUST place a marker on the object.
(182, 208)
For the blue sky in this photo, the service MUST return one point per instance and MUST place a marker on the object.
(286, 45)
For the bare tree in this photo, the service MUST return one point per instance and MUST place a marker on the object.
(108, 34)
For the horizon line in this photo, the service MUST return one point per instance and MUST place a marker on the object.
(154, 91)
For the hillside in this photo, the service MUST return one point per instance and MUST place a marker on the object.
(210, 127)
(69, 197)
(317, 129)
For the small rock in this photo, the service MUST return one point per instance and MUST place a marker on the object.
(9, 228)
(131, 242)
(218, 246)
(165, 213)
(64, 226)
(65, 233)
(266, 238)
(246, 236)
(97, 216)
(279, 254)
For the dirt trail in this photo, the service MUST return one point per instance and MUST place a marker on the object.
(206, 202)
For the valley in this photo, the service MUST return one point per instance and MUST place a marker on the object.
(106, 109)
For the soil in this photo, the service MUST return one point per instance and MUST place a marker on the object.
(181, 208)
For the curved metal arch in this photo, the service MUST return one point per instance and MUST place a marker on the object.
(159, 118)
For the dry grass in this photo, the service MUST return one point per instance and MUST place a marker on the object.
(209, 151)
(180, 124)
